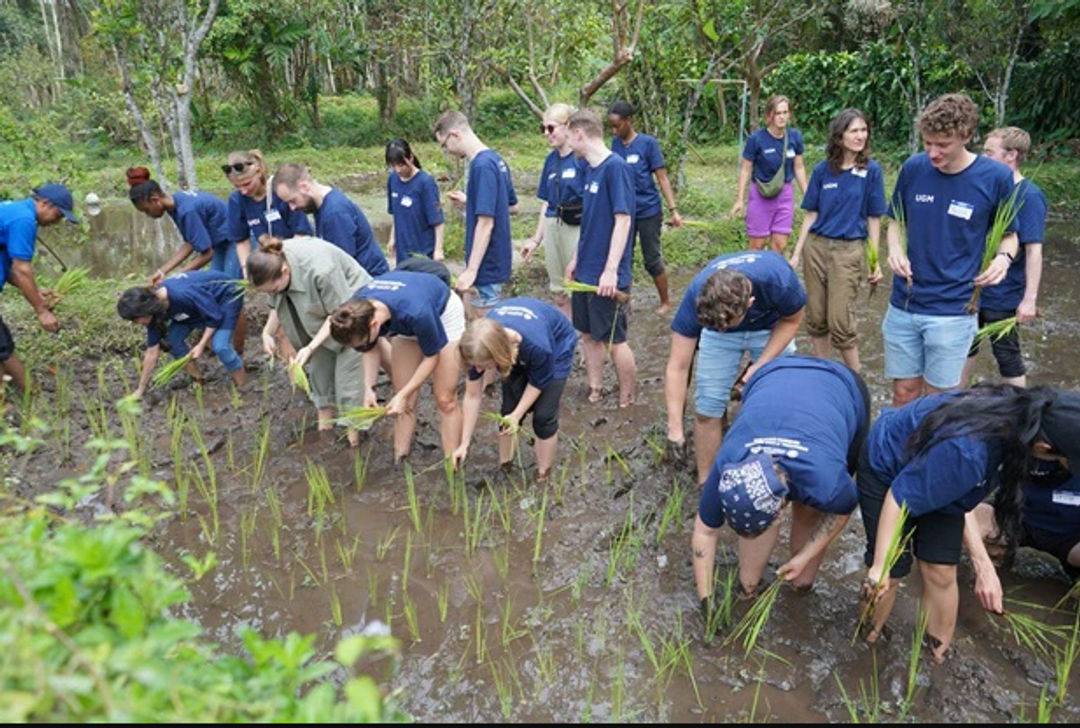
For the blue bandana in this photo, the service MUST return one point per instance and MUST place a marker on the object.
(751, 493)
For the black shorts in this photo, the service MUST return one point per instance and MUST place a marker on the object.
(1006, 349)
(1056, 544)
(545, 410)
(7, 344)
(938, 537)
(597, 316)
(648, 232)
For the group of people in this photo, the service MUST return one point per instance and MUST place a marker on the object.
(803, 434)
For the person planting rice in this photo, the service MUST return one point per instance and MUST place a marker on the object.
(844, 203)
(531, 343)
(642, 153)
(338, 219)
(254, 209)
(19, 223)
(489, 198)
(412, 198)
(795, 442)
(741, 302)
(772, 157)
(1016, 296)
(307, 278)
(425, 320)
(946, 199)
(562, 181)
(924, 469)
(203, 222)
(171, 310)
(602, 258)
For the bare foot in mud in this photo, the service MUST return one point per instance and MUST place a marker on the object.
(595, 395)
(663, 309)
(627, 398)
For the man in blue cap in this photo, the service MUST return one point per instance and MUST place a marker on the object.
(19, 221)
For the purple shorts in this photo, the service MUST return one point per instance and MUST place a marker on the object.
(765, 217)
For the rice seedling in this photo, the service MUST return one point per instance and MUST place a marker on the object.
(442, 601)
(509, 630)
(335, 606)
(412, 621)
(473, 525)
(372, 588)
(168, 372)
(199, 398)
(320, 494)
(578, 287)
(71, 281)
(872, 262)
(312, 577)
(900, 220)
(898, 545)
(913, 663)
(298, 377)
(273, 502)
(753, 622)
(501, 508)
(382, 546)
(360, 468)
(581, 580)
(618, 687)
(672, 510)
(560, 482)
(242, 286)
(361, 418)
(247, 530)
(414, 504)
(625, 546)
(1045, 707)
(501, 559)
(867, 701)
(719, 616)
(207, 487)
(1037, 636)
(408, 562)
(503, 689)
(677, 652)
(996, 330)
(538, 543)
(1065, 658)
(1003, 218)
(262, 451)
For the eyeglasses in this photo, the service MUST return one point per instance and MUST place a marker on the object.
(549, 128)
(235, 168)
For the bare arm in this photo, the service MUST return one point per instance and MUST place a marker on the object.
(199, 260)
(888, 520)
(999, 266)
(528, 399)
(390, 240)
(809, 216)
(1033, 263)
(269, 329)
(243, 250)
(873, 237)
(178, 257)
(669, 195)
(439, 255)
(745, 170)
(898, 260)
(372, 361)
(828, 527)
(987, 583)
(781, 335)
(149, 362)
(22, 275)
(427, 366)
(620, 234)
(199, 348)
(800, 173)
(317, 340)
(538, 236)
(680, 359)
(481, 239)
(470, 411)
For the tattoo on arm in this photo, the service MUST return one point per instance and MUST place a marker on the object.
(699, 554)
(824, 526)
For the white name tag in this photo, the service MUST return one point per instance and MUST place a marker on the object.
(273, 216)
(791, 154)
(858, 172)
(569, 173)
(406, 201)
(1066, 498)
(632, 158)
(962, 210)
(594, 187)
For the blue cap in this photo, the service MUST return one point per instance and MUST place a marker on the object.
(751, 494)
(60, 196)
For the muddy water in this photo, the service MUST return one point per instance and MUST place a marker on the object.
(571, 600)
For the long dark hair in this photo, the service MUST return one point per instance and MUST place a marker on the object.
(141, 301)
(143, 191)
(398, 151)
(834, 149)
(1012, 416)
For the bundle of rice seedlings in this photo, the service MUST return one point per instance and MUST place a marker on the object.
(996, 330)
(298, 377)
(168, 372)
(361, 418)
(242, 287)
(578, 287)
(872, 261)
(749, 627)
(506, 424)
(900, 219)
(70, 281)
(1003, 218)
(1037, 636)
(898, 544)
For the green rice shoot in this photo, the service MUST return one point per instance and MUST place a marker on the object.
(753, 622)
(1003, 218)
(71, 281)
(298, 377)
(898, 544)
(899, 217)
(168, 372)
(506, 424)
(1039, 637)
(361, 417)
(571, 286)
(872, 262)
(997, 329)
(242, 285)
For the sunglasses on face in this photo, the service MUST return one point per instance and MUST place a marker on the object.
(235, 168)
(549, 128)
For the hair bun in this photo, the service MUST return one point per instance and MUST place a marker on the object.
(271, 244)
(137, 175)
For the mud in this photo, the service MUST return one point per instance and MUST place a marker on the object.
(571, 600)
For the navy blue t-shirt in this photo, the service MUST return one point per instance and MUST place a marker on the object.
(1030, 228)
(250, 219)
(776, 289)
(644, 157)
(548, 339)
(201, 299)
(416, 210)
(490, 192)
(764, 150)
(948, 218)
(1052, 501)
(203, 220)
(340, 221)
(609, 190)
(561, 180)
(18, 234)
(843, 200)
(804, 412)
(951, 477)
(416, 302)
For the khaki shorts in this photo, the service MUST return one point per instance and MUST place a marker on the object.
(833, 271)
(560, 245)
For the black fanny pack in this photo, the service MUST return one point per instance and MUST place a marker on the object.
(571, 212)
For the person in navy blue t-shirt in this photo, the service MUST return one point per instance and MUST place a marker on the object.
(603, 258)
(338, 219)
(207, 300)
(795, 441)
(19, 222)
(412, 199)
(254, 209)
(203, 222)
(844, 203)
(741, 302)
(489, 198)
(642, 153)
(940, 456)
(531, 344)
(1018, 293)
(946, 199)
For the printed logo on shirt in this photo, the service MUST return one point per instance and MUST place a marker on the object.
(568, 173)
(406, 201)
(830, 186)
(924, 198)
(769, 150)
(783, 446)
(737, 260)
(385, 285)
(858, 172)
(519, 311)
(273, 216)
(254, 223)
(551, 176)
(632, 158)
(960, 209)
(594, 187)
(180, 317)
(1066, 498)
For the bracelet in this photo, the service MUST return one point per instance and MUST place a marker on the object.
(1007, 256)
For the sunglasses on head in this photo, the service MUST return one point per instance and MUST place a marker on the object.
(549, 128)
(235, 168)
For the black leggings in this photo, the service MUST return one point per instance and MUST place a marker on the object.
(545, 410)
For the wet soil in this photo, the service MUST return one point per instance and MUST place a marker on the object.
(569, 600)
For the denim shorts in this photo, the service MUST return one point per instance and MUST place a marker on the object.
(488, 295)
(718, 362)
(922, 345)
(227, 261)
